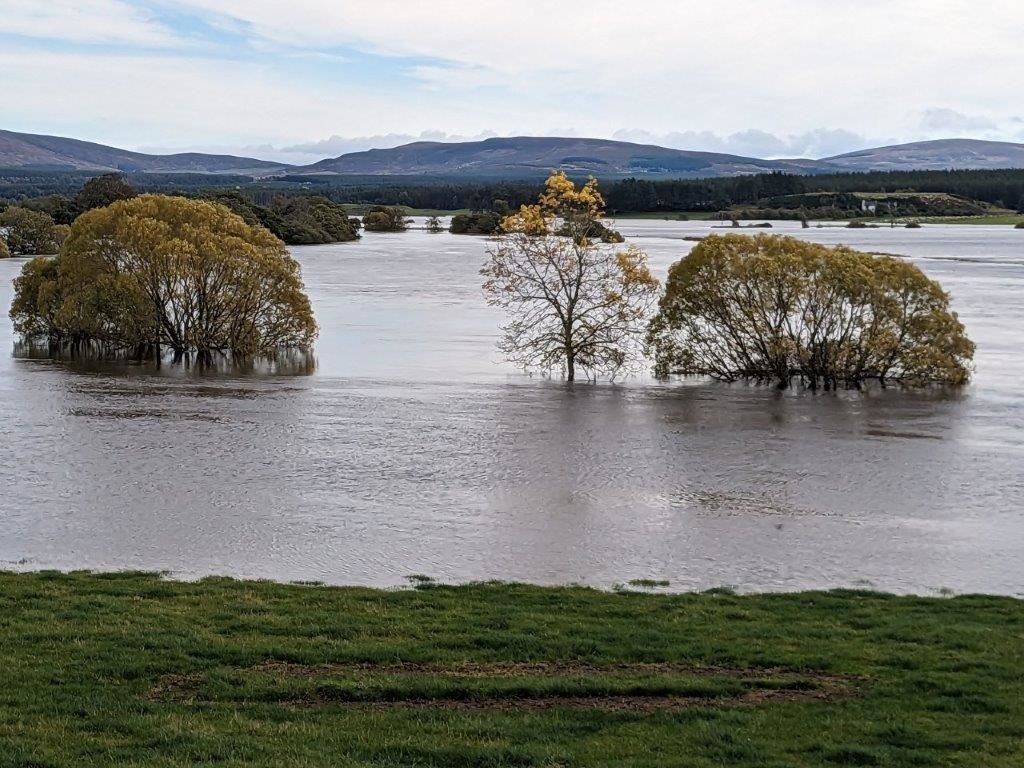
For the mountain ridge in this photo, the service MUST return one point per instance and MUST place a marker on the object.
(935, 155)
(534, 155)
(45, 152)
(509, 157)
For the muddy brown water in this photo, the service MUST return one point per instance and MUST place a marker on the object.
(410, 448)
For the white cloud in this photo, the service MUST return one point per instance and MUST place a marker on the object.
(84, 21)
(942, 119)
(152, 100)
(870, 66)
(751, 82)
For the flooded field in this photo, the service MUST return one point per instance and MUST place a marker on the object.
(411, 448)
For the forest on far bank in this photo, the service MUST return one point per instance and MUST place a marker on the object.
(920, 193)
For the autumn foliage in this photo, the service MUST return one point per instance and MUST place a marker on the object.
(777, 309)
(570, 301)
(158, 273)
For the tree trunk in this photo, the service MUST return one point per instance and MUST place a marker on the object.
(570, 366)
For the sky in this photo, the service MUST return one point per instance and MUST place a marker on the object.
(300, 80)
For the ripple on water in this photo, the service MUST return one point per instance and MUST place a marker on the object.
(411, 449)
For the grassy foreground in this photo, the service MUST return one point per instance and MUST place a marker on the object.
(131, 670)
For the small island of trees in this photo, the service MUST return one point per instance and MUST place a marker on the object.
(776, 309)
(767, 309)
(38, 226)
(476, 223)
(297, 220)
(571, 302)
(149, 274)
(382, 218)
(29, 233)
(153, 273)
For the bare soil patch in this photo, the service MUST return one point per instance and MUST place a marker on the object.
(765, 685)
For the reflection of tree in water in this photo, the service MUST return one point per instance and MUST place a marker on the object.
(93, 357)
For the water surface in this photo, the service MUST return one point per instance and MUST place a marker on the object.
(411, 448)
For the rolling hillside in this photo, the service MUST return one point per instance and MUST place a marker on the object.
(509, 158)
(36, 152)
(526, 156)
(939, 155)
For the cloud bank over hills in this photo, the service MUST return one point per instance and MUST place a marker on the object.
(795, 78)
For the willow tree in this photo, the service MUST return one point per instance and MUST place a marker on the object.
(30, 232)
(572, 303)
(165, 273)
(775, 309)
(382, 218)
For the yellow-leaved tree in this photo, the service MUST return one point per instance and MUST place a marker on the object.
(775, 309)
(571, 301)
(157, 273)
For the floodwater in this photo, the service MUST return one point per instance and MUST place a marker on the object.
(411, 448)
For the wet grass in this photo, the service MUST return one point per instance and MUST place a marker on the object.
(129, 669)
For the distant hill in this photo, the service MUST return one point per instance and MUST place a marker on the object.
(520, 157)
(527, 156)
(939, 155)
(35, 152)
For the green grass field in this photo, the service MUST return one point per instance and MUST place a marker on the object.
(1003, 218)
(361, 209)
(1008, 218)
(131, 670)
(667, 216)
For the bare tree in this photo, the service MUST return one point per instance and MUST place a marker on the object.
(571, 302)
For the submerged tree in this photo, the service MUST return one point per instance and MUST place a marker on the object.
(385, 219)
(297, 220)
(310, 219)
(36, 301)
(434, 225)
(571, 302)
(159, 272)
(774, 309)
(479, 223)
(28, 232)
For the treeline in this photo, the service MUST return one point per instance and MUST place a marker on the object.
(17, 185)
(1000, 188)
(1003, 188)
(298, 220)
(34, 225)
(446, 196)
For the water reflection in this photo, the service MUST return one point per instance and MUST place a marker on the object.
(408, 447)
(91, 359)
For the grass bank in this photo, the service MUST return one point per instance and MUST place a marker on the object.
(999, 219)
(666, 215)
(128, 669)
(361, 209)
